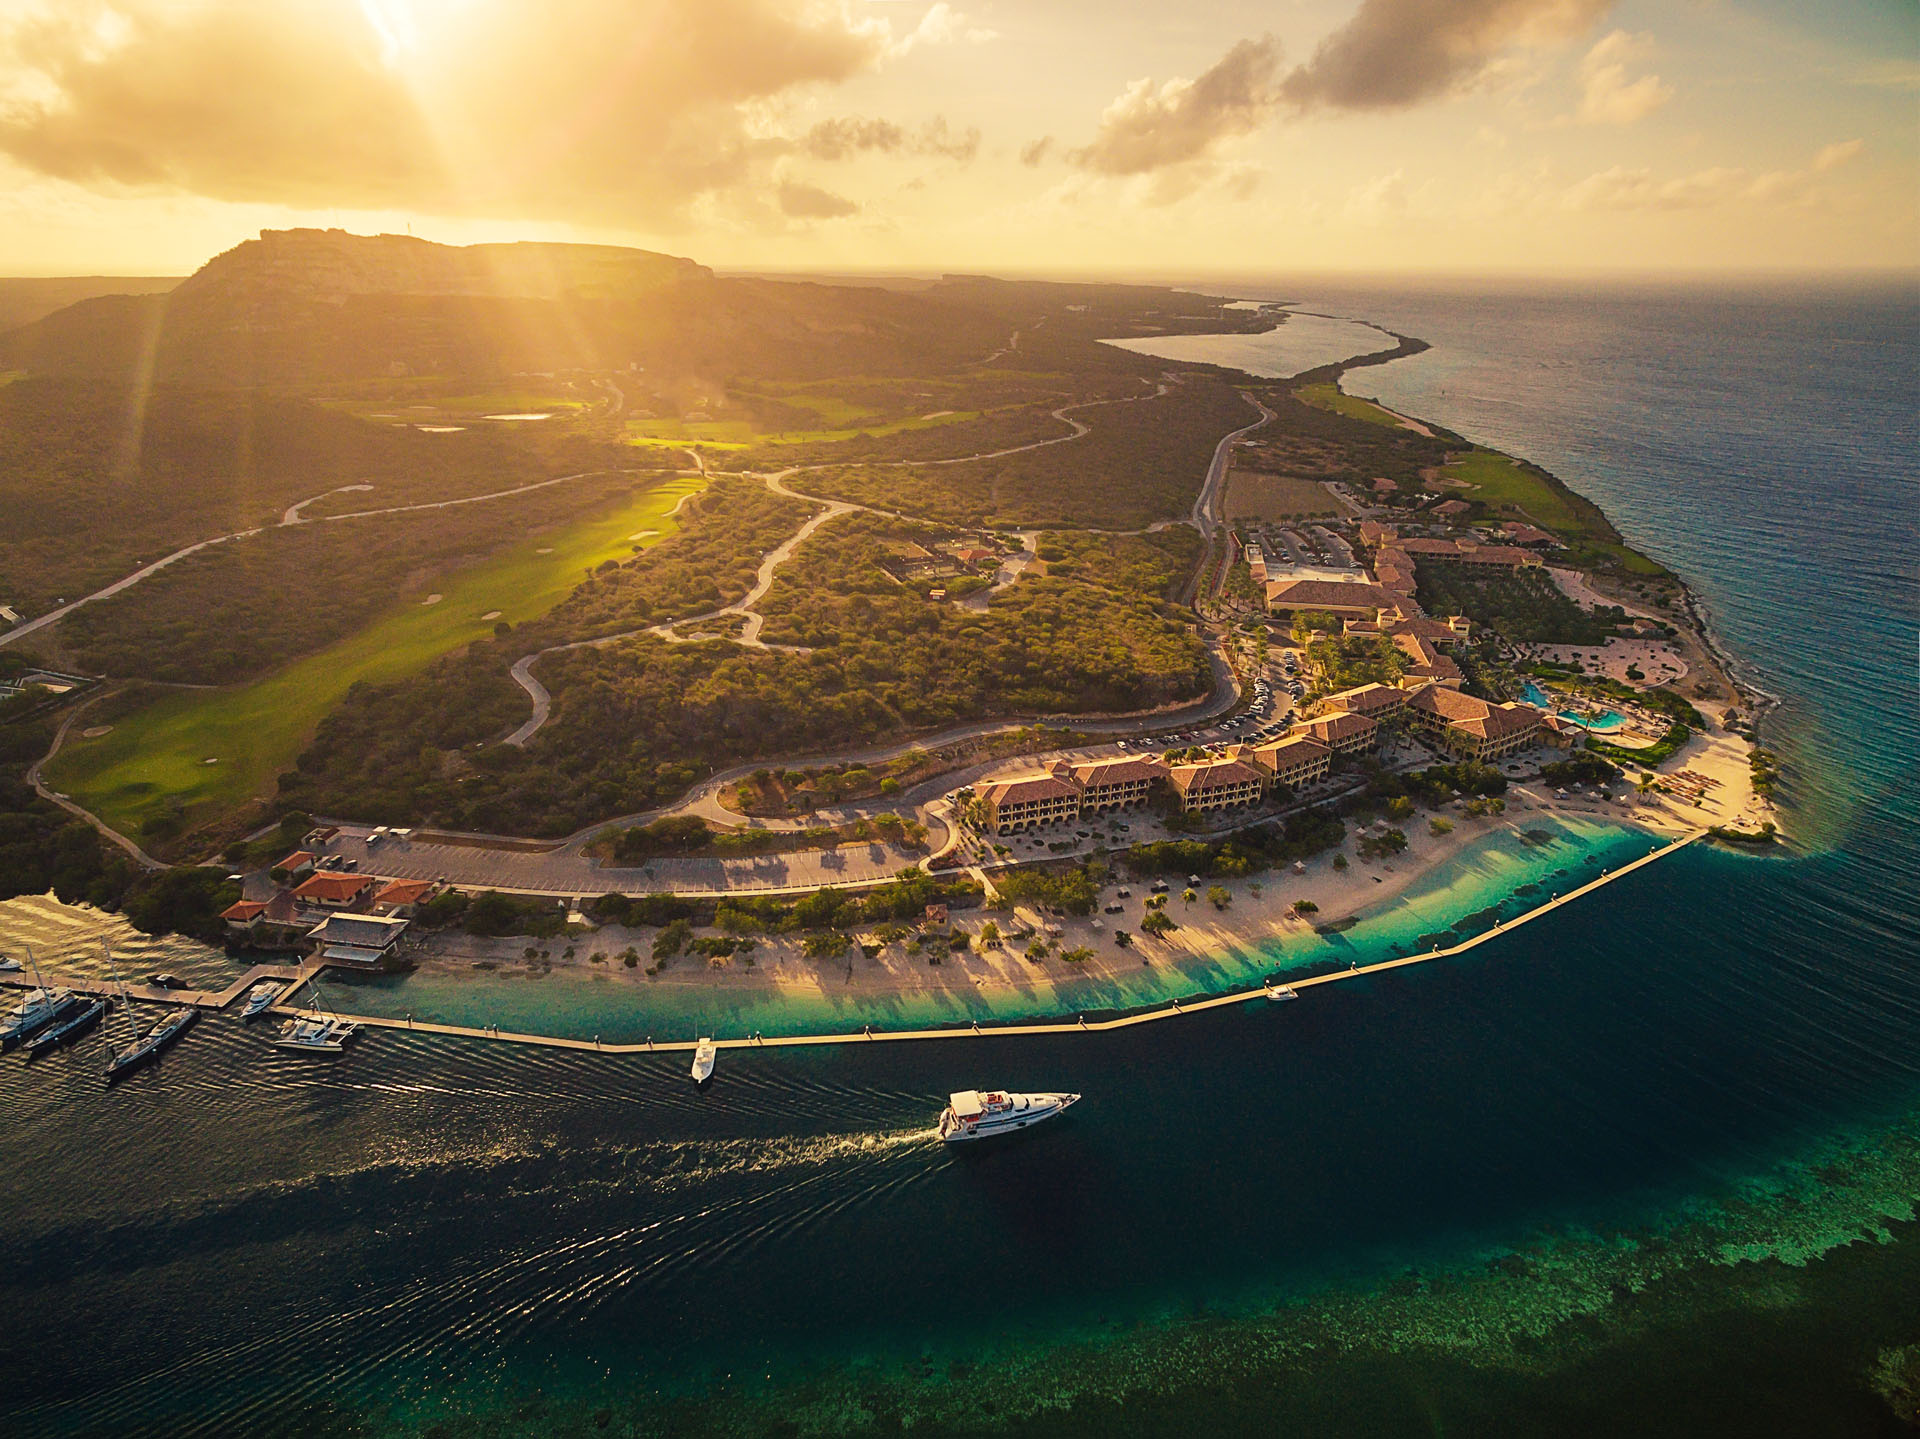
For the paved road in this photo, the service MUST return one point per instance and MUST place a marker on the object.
(567, 870)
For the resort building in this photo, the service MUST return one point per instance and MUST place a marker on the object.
(329, 889)
(1530, 536)
(1371, 700)
(1293, 760)
(1027, 801)
(1116, 783)
(1426, 663)
(1469, 552)
(402, 898)
(1216, 785)
(1343, 599)
(367, 940)
(1344, 732)
(1473, 728)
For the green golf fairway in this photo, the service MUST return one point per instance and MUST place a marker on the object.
(210, 750)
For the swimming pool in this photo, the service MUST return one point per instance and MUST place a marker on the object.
(1602, 723)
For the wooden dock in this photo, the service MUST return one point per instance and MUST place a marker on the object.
(977, 1030)
(292, 976)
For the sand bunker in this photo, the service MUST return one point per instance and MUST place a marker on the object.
(431, 600)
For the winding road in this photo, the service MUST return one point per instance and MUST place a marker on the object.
(292, 516)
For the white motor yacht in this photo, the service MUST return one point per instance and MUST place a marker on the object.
(260, 998)
(978, 1114)
(704, 1053)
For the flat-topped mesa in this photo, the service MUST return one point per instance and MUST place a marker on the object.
(328, 265)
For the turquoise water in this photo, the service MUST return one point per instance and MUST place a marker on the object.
(1600, 723)
(1495, 877)
(1648, 1166)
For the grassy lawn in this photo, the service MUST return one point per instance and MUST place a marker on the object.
(1329, 396)
(1500, 483)
(158, 756)
(742, 434)
(1252, 495)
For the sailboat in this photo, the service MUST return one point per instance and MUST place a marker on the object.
(144, 1048)
(316, 1032)
(75, 1024)
(38, 1009)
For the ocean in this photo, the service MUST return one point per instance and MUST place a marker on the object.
(1648, 1166)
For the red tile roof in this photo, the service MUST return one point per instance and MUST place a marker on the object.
(403, 891)
(335, 887)
(1343, 725)
(1215, 774)
(1117, 771)
(299, 859)
(244, 910)
(1027, 787)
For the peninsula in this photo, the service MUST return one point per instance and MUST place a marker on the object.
(1023, 670)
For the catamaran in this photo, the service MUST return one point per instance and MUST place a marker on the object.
(39, 1008)
(704, 1053)
(977, 1114)
(72, 1027)
(317, 1032)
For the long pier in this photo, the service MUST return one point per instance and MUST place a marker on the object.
(977, 1030)
(292, 976)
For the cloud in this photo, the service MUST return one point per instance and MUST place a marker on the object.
(1832, 157)
(1397, 53)
(842, 139)
(1607, 96)
(809, 202)
(942, 25)
(1620, 188)
(1035, 151)
(1148, 128)
(619, 111)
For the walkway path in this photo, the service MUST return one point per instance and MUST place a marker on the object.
(975, 1030)
(53, 796)
(291, 975)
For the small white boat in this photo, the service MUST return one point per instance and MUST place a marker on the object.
(10, 965)
(260, 998)
(704, 1053)
(1280, 993)
(316, 1034)
(977, 1114)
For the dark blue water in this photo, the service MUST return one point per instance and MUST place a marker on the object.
(1648, 1166)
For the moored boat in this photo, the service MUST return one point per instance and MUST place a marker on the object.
(10, 965)
(260, 999)
(1281, 992)
(146, 1048)
(982, 1114)
(316, 1034)
(704, 1054)
(72, 1026)
(35, 1011)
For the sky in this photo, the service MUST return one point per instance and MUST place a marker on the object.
(1016, 136)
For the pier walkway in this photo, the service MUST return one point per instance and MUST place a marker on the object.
(977, 1030)
(293, 976)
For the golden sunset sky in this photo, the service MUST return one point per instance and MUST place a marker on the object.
(1050, 136)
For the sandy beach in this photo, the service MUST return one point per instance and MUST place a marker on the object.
(1257, 923)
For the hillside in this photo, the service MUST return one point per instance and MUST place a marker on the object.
(24, 299)
(297, 307)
